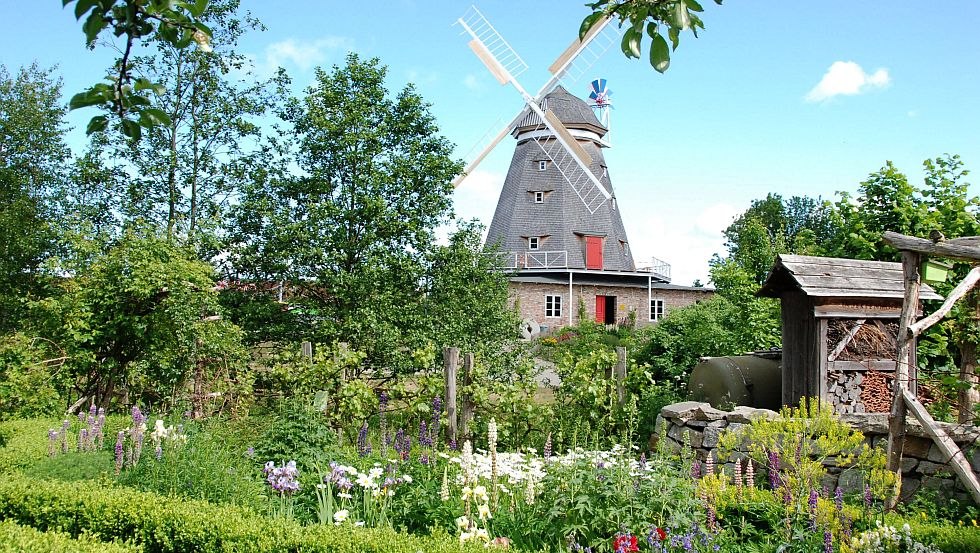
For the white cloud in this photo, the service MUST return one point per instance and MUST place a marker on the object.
(846, 78)
(473, 83)
(299, 54)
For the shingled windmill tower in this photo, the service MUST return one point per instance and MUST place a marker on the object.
(557, 225)
(541, 216)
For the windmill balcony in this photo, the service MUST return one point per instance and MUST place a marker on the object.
(657, 268)
(540, 259)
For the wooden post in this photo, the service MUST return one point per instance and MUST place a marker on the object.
(450, 357)
(306, 349)
(467, 414)
(896, 420)
(620, 373)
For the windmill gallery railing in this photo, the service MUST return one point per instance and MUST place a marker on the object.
(657, 267)
(556, 259)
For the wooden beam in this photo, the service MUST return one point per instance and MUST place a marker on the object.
(450, 357)
(961, 466)
(576, 46)
(493, 66)
(896, 420)
(962, 289)
(962, 249)
(573, 145)
(845, 340)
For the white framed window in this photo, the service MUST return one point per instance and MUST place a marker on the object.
(533, 242)
(656, 309)
(539, 197)
(552, 306)
(542, 165)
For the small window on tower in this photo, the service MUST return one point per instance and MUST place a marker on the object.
(542, 165)
(532, 243)
(539, 197)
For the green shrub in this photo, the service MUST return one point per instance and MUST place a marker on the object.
(24, 442)
(951, 539)
(162, 524)
(17, 539)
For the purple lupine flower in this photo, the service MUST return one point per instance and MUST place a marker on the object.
(424, 439)
(453, 446)
(83, 439)
(81, 417)
(120, 437)
(868, 498)
(436, 414)
(774, 480)
(828, 542)
(137, 415)
(403, 444)
(696, 469)
(709, 464)
(52, 441)
(812, 503)
(787, 495)
(424, 459)
(711, 516)
(547, 446)
(839, 499)
(363, 445)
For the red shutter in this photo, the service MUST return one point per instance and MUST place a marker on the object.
(600, 309)
(593, 252)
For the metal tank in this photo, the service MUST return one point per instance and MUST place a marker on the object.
(753, 380)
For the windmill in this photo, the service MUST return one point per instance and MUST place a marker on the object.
(560, 146)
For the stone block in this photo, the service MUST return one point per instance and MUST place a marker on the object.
(708, 413)
(696, 424)
(711, 435)
(851, 481)
(909, 487)
(743, 414)
(683, 410)
(697, 438)
(917, 447)
(909, 463)
(867, 423)
(936, 483)
(676, 432)
(929, 468)
(936, 455)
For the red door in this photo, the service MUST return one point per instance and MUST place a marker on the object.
(593, 252)
(600, 309)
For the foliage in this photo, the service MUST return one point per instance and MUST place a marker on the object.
(657, 17)
(143, 318)
(295, 431)
(188, 169)
(159, 523)
(353, 232)
(191, 470)
(175, 23)
(468, 299)
(32, 158)
(31, 381)
(15, 538)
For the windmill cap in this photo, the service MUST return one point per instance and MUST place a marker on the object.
(571, 110)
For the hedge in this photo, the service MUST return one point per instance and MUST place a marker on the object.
(17, 539)
(952, 539)
(164, 524)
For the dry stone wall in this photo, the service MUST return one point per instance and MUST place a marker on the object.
(924, 466)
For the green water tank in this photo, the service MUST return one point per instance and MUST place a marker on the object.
(751, 380)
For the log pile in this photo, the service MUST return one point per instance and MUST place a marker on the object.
(844, 391)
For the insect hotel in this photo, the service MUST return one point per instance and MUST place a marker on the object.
(840, 323)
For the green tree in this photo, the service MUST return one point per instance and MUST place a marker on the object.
(190, 166)
(352, 233)
(139, 323)
(468, 297)
(653, 18)
(124, 96)
(32, 158)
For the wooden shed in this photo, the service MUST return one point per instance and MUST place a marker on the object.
(840, 321)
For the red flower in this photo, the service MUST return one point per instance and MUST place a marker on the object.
(625, 543)
(661, 534)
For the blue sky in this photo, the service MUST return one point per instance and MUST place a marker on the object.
(796, 98)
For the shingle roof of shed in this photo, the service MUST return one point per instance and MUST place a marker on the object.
(838, 277)
(571, 111)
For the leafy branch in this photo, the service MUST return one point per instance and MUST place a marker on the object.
(656, 16)
(175, 22)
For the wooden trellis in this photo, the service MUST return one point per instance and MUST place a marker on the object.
(913, 249)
